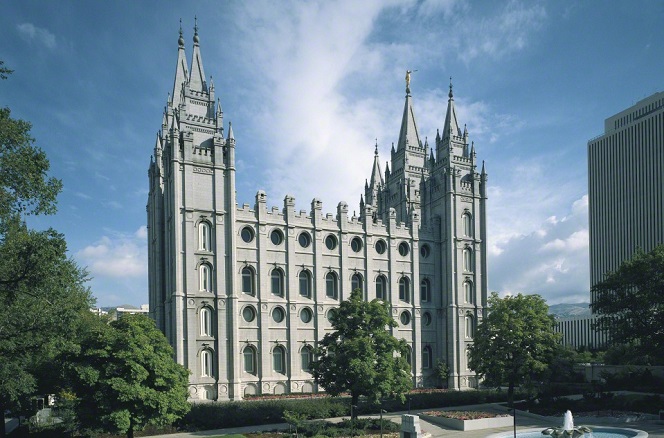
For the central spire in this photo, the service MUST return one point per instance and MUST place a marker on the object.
(181, 71)
(451, 128)
(197, 77)
(408, 134)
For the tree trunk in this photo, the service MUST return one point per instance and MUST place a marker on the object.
(510, 394)
(354, 399)
(2, 417)
(130, 432)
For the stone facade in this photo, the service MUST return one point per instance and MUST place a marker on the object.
(244, 293)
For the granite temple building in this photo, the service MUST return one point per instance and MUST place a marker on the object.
(243, 292)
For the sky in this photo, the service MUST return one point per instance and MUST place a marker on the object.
(310, 87)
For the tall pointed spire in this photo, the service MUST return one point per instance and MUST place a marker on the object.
(181, 71)
(408, 134)
(376, 173)
(197, 76)
(451, 125)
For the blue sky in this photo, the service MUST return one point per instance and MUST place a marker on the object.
(310, 86)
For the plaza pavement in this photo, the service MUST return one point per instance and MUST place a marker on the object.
(655, 428)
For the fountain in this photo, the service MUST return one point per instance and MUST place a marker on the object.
(568, 429)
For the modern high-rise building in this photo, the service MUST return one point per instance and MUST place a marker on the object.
(243, 293)
(626, 186)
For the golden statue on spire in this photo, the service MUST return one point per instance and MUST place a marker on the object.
(408, 72)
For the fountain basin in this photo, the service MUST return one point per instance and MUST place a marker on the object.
(598, 432)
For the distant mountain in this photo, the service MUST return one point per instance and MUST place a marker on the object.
(567, 310)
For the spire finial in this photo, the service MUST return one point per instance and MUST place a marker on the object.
(376, 148)
(451, 95)
(180, 39)
(408, 72)
(196, 39)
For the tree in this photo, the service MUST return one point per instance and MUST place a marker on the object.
(37, 312)
(630, 304)
(514, 343)
(125, 377)
(361, 356)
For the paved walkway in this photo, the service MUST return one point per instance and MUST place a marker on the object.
(655, 429)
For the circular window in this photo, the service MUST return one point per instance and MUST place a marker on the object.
(278, 314)
(305, 239)
(405, 318)
(276, 237)
(247, 234)
(330, 314)
(356, 244)
(426, 318)
(331, 242)
(249, 314)
(381, 246)
(425, 251)
(404, 249)
(306, 315)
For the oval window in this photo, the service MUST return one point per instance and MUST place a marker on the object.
(247, 234)
(278, 314)
(404, 249)
(331, 242)
(249, 314)
(405, 318)
(306, 315)
(426, 319)
(381, 246)
(304, 239)
(356, 244)
(425, 251)
(276, 237)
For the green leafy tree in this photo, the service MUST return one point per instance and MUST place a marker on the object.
(442, 372)
(630, 304)
(514, 342)
(38, 312)
(361, 356)
(125, 377)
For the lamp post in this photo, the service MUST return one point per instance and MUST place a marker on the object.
(381, 422)
(514, 416)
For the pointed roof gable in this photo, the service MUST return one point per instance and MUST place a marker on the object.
(181, 71)
(197, 75)
(451, 124)
(408, 133)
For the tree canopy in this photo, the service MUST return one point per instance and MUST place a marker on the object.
(515, 342)
(361, 356)
(125, 378)
(630, 304)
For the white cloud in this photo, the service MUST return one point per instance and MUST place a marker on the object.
(551, 259)
(120, 255)
(39, 35)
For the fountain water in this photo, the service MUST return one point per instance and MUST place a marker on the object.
(568, 429)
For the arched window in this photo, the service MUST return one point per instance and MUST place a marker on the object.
(277, 282)
(467, 259)
(467, 225)
(426, 357)
(249, 355)
(206, 321)
(205, 277)
(248, 281)
(307, 355)
(305, 284)
(425, 290)
(468, 291)
(404, 289)
(279, 359)
(356, 282)
(204, 236)
(206, 363)
(469, 327)
(381, 287)
(331, 285)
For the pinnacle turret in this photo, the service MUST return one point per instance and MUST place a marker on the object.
(181, 72)
(197, 75)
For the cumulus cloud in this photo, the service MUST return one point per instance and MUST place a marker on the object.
(550, 259)
(120, 255)
(36, 34)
